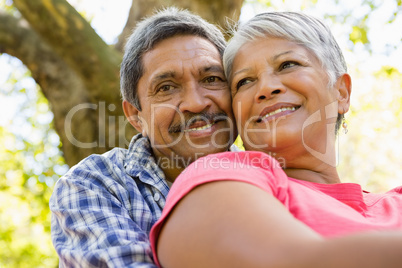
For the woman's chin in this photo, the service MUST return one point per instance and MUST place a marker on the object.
(273, 141)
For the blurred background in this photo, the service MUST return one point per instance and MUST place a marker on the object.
(57, 55)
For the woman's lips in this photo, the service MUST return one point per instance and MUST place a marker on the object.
(276, 111)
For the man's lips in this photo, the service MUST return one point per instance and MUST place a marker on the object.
(200, 125)
(277, 110)
(198, 122)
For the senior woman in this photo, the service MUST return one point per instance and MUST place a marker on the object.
(290, 89)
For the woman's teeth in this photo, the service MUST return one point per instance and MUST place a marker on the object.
(278, 111)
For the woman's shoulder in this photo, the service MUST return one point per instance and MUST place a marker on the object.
(251, 167)
(236, 160)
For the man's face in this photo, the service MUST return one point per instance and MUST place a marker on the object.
(185, 100)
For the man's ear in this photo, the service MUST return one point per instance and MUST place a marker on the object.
(344, 88)
(132, 114)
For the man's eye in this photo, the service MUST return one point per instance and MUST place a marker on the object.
(213, 79)
(243, 82)
(165, 88)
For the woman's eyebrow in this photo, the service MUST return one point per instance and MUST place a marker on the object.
(281, 54)
(274, 58)
(241, 71)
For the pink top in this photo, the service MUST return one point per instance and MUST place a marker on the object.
(329, 209)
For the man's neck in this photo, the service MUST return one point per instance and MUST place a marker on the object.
(171, 173)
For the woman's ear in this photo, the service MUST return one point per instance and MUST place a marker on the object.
(344, 88)
(133, 116)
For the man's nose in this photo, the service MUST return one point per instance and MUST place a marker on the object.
(194, 99)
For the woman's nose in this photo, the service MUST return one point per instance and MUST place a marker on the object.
(269, 85)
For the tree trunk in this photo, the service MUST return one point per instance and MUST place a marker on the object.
(78, 72)
(214, 11)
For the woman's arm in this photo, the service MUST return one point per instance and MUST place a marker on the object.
(235, 224)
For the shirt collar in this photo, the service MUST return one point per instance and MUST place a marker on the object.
(140, 162)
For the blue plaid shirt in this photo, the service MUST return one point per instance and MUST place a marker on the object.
(105, 206)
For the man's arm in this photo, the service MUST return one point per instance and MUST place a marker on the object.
(234, 224)
(91, 227)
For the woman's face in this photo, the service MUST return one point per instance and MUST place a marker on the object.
(281, 100)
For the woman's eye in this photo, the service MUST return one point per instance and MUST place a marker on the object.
(242, 82)
(288, 64)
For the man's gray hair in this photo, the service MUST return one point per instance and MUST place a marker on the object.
(162, 25)
(300, 28)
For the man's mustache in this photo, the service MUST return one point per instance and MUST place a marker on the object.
(191, 118)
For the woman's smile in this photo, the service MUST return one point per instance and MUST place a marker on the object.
(275, 111)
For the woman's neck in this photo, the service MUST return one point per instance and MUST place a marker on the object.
(327, 175)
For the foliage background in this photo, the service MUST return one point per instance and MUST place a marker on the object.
(31, 160)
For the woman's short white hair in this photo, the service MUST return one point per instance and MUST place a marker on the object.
(300, 28)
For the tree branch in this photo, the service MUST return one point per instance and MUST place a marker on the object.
(59, 83)
(73, 38)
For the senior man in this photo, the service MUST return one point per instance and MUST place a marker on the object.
(176, 95)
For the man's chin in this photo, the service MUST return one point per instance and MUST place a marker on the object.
(210, 150)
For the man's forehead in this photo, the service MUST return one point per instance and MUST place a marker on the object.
(177, 55)
(184, 46)
(171, 72)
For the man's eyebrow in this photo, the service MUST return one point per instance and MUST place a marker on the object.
(212, 68)
(162, 76)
